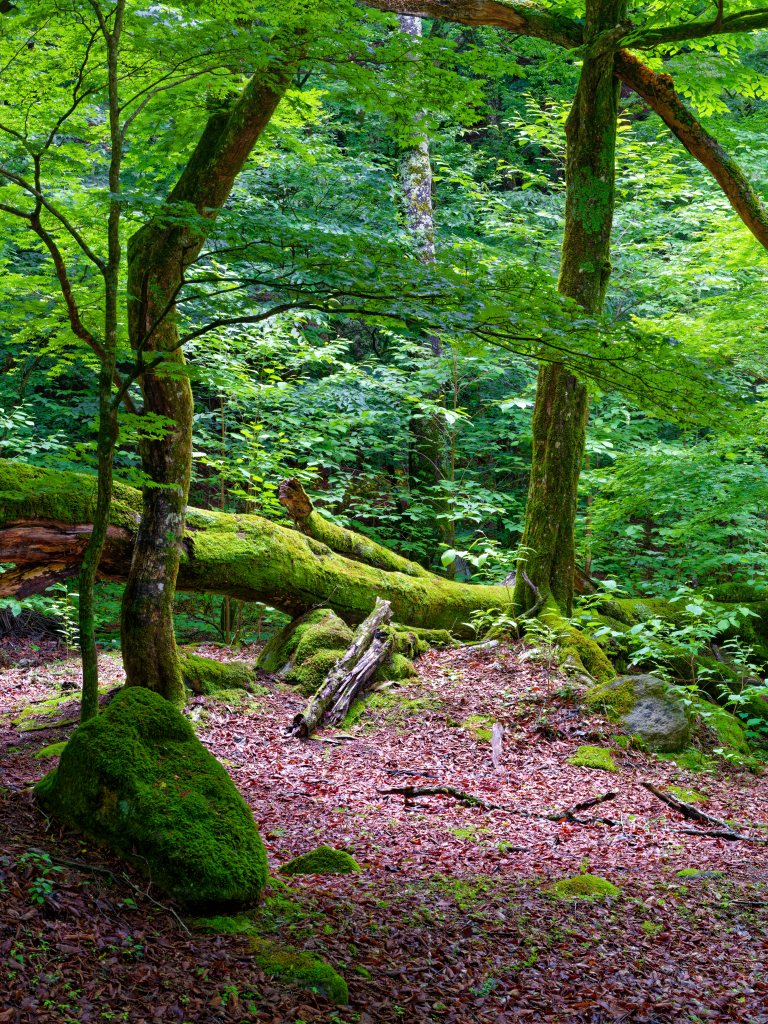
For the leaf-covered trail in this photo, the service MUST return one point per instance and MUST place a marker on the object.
(449, 917)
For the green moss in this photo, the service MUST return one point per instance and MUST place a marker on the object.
(54, 750)
(396, 709)
(308, 972)
(206, 676)
(651, 929)
(477, 726)
(362, 972)
(689, 796)
(236, 697)
(138, 779)
(44, 709)
(729, 730)
(583, 886)
(220, 925)
(578, 650)
(688, 873)
(322, 861)
(310, 675)
(690, 758)
(397, 669)
(593, 757)
(355, 713)
(279, 650)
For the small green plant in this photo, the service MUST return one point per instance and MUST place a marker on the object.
(43, 867)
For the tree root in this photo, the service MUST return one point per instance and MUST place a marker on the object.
(725, 831)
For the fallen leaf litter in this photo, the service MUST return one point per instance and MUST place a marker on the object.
(449, 919)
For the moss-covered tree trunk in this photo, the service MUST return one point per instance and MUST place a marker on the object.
(45, 523)
(158, 257)
(559, 421)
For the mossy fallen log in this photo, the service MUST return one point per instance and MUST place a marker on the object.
(45, 521)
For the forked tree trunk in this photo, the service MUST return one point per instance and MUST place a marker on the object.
(158, 256)
(559, 420)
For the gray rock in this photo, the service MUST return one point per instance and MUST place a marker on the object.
(647, 707)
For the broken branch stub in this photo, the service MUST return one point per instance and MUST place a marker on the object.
(349, 677)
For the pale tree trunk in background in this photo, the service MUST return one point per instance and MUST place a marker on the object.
(559, 418)
(426, 451)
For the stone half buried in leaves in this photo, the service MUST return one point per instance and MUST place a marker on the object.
(647, 707)
(137, 779)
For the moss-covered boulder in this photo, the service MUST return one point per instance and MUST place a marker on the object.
(647, 707)
(301, 969)
(137, 779)
(206, 676)
(305, 650)
(594, 757)
(583, 886)
(322, 861)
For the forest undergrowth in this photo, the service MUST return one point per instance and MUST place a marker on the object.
(450, 918)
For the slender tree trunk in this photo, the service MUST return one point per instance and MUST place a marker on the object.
(107, 436)
(426, 450)
(158, 256)
(559, 419)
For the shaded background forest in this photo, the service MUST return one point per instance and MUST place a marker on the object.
(430, 453)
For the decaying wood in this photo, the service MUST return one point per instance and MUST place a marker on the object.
(730, 836)
(348, 679)
(475, 801)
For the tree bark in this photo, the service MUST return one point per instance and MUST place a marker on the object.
(559, 420)
(158, 256)
(46, 519)
(347, 680)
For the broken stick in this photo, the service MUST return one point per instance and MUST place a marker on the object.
(350, 675)
(475, 801)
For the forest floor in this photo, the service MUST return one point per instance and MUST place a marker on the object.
(450, 918)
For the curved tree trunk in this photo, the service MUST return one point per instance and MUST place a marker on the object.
(158, 256)
(559, 421)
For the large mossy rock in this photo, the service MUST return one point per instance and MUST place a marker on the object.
(647, 707)
(137, 779)
(206, 676)
(306, 650)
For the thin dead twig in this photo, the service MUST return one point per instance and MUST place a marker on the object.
(475, 801)
(723, 829)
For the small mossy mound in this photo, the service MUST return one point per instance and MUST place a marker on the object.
(692, 759)
(301, 969)
(278, 653)
(222, 925)
(138, 779)
(478, 727)
(207, 677)
(54, 750)
(594, 757)
(322, 861)
(397, 669)
(688, 796)
(651, 929)
(583, 886)
(236, 697)
(305, 650)
(647, 707)
(688, 873)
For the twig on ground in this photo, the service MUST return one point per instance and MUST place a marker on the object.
(475, 801)
(732, 836)
(688, 811)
